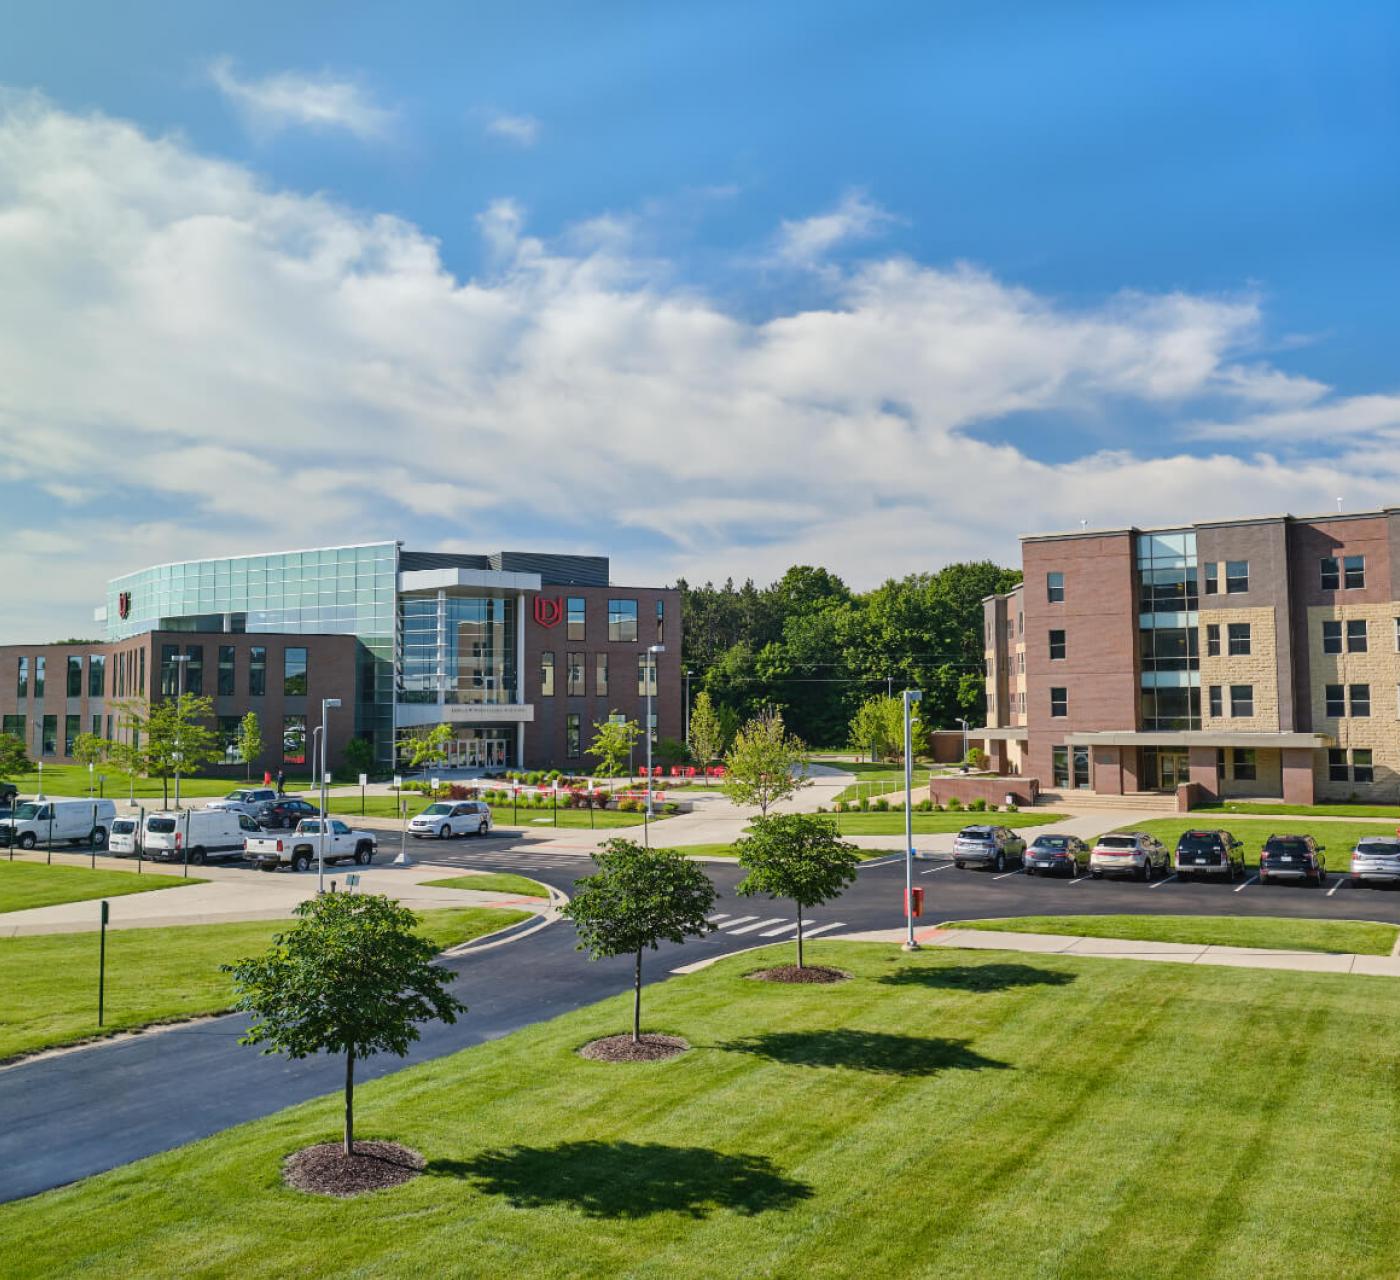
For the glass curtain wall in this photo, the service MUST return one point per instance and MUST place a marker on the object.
(469, 639)
(1168, 631)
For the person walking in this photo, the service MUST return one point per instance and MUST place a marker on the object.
(281, 783)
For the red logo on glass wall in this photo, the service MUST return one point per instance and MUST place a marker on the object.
(548, 611)
(124, 603)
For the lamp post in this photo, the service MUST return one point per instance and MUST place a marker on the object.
(652, 651)
(966, 728)
(326, 705)
(687, 708)
(911, 696)
(180, 660)
(39, 751)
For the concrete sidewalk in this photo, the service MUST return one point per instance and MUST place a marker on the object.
(1131, 949)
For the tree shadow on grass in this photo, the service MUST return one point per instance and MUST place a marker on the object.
(978, 977)
(874, 1051)
(628, 1179)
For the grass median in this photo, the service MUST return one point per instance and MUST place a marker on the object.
(1260, 808)
(941, 1114)
(48, 983)
(931, 824)
(1336, 838)
(1274, 933)
(723, 850)
(25, 884)
(493, 882)
(382, 806)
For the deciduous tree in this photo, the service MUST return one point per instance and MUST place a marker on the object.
(766, 763)
(612, 745)
(14, 759)
(250, 743)
(706, 734)
(174, 733)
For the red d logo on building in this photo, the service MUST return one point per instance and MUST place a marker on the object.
(124, 604)
(547, 611)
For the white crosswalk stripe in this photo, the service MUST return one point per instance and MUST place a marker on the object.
(717, 919)
(749, 928)
(822, 928)
(790, 927)
(738, 920)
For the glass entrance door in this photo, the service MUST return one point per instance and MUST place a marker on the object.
(1081, 768)
(1165, 768)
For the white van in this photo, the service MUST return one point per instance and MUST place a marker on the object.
(207, 834)
(122, 839)
(76, 821)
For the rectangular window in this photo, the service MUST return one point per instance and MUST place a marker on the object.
(1362, 769)
(646, 674)
(1055, 587)
(600, 675)
(575, 676)
(1335, 696)
(1356, 635)
(294, 672)
(1020, 624)
(573, 735)
(226, 685)
(546, 674)
(1059, 702)
(16, 726)
(141, 673)
(660, 622)
(1212, 640)
(577, 614)
(1397, 635)
(1236, 577)
(1217, 701)
(1021, 662)
(50, 734)
(1360, 699)
(228, 738)
(1238, 638)
(622, 620)
(169, 670)
(1331, 573)
(1212, 578)
(1010, 631)
(96, 726)
(293, 739)
(1057, 645)
(1337, 766)
(1246, 766)
(1331, 637)
(1241, 700)
(22, 680)
(194, 668)
(97, 675)
(1353, 572)
(1059, 757)
(75, 679)
(72, 727)
(40, 663)
(257, 671)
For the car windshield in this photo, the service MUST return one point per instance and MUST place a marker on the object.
(1380, 848)
(123, 827)
(1198, 842)
(1118, 842)
(28, 811)
(975, 833)
(161, 826)
(436, 809)
(1051, 842)
(236, 795)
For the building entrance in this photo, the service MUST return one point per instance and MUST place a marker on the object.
(481, 749)
(1164, 768)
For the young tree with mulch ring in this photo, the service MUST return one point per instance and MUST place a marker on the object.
(639, 898)
(352, 977)
(798, 856)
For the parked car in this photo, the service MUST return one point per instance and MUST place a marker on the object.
(452, 818)
(1133, 853)
(1208, 853)
(283, 814)
(987, 846)
(1375, 861)
(1068, 854)
(196, 835)
(244, 800)
(1292, 858)
(124, 839)
(76, 821)
(300, 849)
(9, 793)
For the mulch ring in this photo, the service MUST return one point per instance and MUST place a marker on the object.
(808, 973)
(650, 1048)
(326, 1170)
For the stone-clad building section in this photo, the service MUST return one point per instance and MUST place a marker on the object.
(1250, 657)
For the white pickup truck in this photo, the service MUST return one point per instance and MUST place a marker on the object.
(299, 849)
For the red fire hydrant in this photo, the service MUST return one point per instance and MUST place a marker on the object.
(918, 906)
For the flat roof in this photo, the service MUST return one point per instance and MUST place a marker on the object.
(1195, 738)
(1191, 525)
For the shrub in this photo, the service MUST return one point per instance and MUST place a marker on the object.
(1013, 808)
(881, 805)
(923, 806)
(839, 807)
(977, 806)
(954, 804)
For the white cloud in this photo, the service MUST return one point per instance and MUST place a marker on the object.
(522, 130)
(292, 99)
(805, 242)
(196, 365)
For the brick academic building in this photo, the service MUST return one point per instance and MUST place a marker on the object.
(1253, 657)
(521, 653)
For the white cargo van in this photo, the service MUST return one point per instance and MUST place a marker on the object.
(122, 840)
(207, 835)
(76, 821)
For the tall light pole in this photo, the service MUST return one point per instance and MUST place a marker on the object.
(180, 660)
(966, 728)
(687, 707)
(326, 705)
(652, 651)
(39, 750)
(911, 696)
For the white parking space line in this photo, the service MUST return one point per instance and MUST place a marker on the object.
(1160, 883)
(1079, 879)
(741, 920)
(822, 928)
(1247, 883)
(931, 870)
(749, 928)
(883, 862)
(1335, 887)
(790, 927)
(1004, 874)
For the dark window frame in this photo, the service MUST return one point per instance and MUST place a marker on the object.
(1354, 634)
(1332, 640)
(1359, 701)
(1055, 586)
(1354, 573)
(1212, 639)
(1239, 645)
(1241, 701)
(1059, 702)
(1236, 577)
(1057, 644)
(1334, 701)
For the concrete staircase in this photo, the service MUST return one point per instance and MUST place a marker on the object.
(1136, 801)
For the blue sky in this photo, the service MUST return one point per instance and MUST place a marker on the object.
(1132, 248)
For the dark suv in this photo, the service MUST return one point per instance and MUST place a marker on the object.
(283, 814)
(1208, 853)
(1292, 858)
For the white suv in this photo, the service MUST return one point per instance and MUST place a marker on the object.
(244, 800)
(450, 818)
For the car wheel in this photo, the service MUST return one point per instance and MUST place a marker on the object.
(1030, 871)
(26, 841)
(956, 863)
(99, 837)
(197, 857)
(444, 831)
(1144, 872)
(301, 862)
(362, 856)
(999, 862)
(1098, 875)
(483, 828)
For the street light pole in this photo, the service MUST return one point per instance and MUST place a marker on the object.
(180, 660)
(39, 750)
(652, 651)
(911, 696)
(966, 728)
(687, 708)
(326, 705)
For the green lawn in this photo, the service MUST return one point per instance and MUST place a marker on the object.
(381, 806)
(26, 884)
(728, 851)
(72, 780)
(1337, 838)
(930, 824)
(48, 983)
(1305, 810)
(494, 882)
(945, 1114)
(879, 779)
(1354, 937)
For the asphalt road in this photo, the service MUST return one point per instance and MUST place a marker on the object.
(75, 1114)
